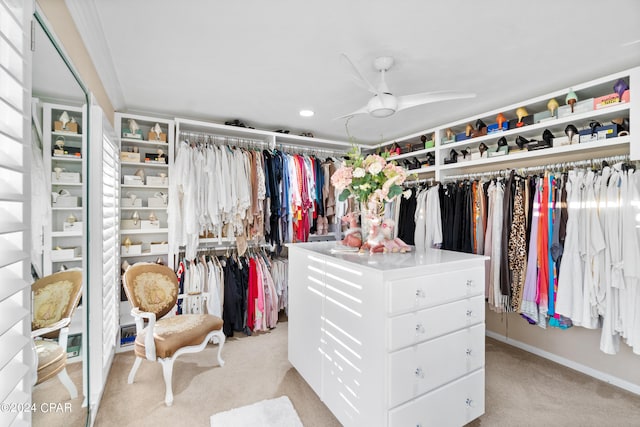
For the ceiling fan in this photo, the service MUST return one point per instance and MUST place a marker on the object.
(384, 103)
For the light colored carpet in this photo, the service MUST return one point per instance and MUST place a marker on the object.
(266, 413)
(49, 395)
(521, 389)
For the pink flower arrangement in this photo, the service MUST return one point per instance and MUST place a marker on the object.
(371, 179)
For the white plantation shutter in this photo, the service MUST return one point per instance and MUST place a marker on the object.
(16, 359)
(104, 238)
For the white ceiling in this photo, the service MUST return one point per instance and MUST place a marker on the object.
(262, 61)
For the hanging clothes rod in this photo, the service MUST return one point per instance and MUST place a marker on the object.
(550, 167)
(420, 181)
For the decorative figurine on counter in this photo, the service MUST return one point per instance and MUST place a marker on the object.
(571, 98)
(64, 119)
(570, 131)
(353, 236)
(375, 240)
(500, 119)
(157, 130)
(552, 106)
(392, 244)
(620, 87)
(521, 113)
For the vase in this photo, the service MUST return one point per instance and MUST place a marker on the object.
(370, 214)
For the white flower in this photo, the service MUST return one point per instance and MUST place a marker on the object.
(375, 168)
(358, 173)
(406, 194)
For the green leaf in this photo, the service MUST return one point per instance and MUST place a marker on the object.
(344, 195)
(394, 191)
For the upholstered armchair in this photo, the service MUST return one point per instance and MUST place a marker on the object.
(55, 298)
(152, 290)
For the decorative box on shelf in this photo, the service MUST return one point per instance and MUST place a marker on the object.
(159, 247)
(579, 107)
(132, 180)
(130, 224)
(542, 116)
(493, 127)
(147, 224)
(65, 202)
(65, 177)
(132, 249)
(157, 180)
(563, 140)
(129, 202)
(126, 156)
(154, 137)
(64, 254)
(609, 100)
(72, 226)
(157, 202)
(126, 133)
(73, 152)
(69, 127)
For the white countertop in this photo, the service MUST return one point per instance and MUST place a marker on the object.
(390, 261)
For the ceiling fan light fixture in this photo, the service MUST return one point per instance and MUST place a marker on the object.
(306, 113)
(382, 112)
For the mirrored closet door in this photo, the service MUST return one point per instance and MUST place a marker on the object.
(59, 235)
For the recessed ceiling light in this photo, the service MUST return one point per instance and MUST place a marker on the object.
(306, 113)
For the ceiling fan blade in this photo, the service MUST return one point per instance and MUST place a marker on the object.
(363, 110)
(414, 100)
(359, 79)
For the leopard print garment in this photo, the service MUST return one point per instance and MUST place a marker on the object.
(517, 248)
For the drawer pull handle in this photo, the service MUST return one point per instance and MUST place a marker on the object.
(420, 293)
(469, 403)
(469, 313)
(469, 351)
(469, 282)
(419, 373)
(419, 329)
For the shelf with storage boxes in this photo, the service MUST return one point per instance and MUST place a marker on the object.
(63, 159)
(416, 152)
(146, 158)
(521, 131)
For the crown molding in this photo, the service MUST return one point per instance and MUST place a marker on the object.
(85, 15)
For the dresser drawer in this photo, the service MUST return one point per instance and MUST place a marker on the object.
(427, 291)
(415, 327)
(422, 368)
(453, 405)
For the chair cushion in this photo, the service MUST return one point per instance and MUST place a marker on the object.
(173, 333)
(51, 359)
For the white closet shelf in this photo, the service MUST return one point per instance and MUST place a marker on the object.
(412, 154)
(610, 112)
(216, 240)
(67, 209)
(59, 133)
(145, 164)
(154, 231)
(132, 208)
(426, 169)
(74, 259)
(67, 184)
(143, 254)
(588, 149)
(69, 159)
(143, 186)
(140, 142)
(66, 233)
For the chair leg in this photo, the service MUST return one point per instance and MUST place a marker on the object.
(219, 335)
(167, 371)
(67, 383)
(134, 369)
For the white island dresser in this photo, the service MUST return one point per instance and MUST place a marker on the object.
(389, 339)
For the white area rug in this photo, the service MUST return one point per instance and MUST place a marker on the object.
(277, 412)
